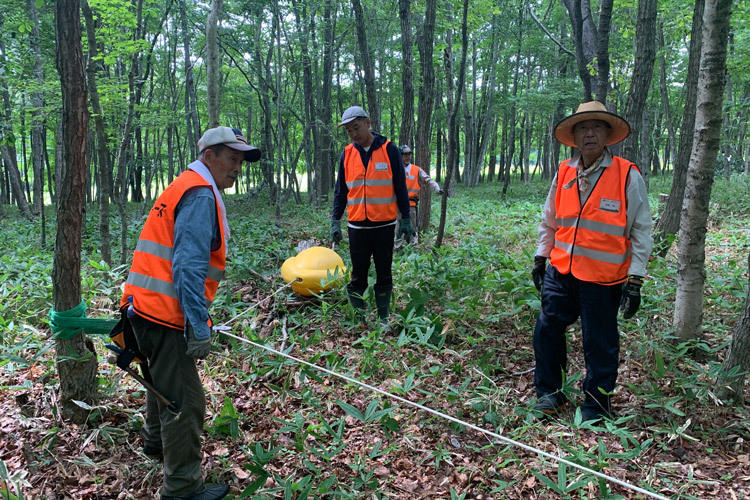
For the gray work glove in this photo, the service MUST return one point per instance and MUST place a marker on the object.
(631, 296)
(336, 234)
(540, 267)
(405, 229)
(196, 348)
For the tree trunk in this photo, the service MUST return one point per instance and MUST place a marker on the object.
(367, 66)
(76, 358)
(470, 121)
(576, 21)
(407, 75)
(669, 221)
(644, 151)
(455, 104)
(512, 116)
(191, 113)
(592, 44)
(493, 151)
(645, 55)
(726, 148)
(327, 156)
(37, 120)
(688, 312)
(311, 137)
(213, 64)
(665, 97)
(602, 47)
(6, 130)
(122, 153)
(102, 150)
(426, 91)
(263, 70)
(730, 387)
(276, 26)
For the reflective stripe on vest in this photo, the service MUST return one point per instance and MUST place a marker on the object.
(590, 241)
(412, 184)
(150, 280)
(371, 192)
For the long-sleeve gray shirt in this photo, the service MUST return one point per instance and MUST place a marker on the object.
(638, 225)
(424, 178)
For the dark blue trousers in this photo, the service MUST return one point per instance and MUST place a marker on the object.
(374, 244)
(565, 299)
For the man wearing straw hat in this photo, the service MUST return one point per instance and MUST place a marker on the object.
(596, 232)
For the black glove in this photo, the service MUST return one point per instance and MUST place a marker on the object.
(196, 348)
(631, 296)
(537, 274)
(405, 230)
(336, 235)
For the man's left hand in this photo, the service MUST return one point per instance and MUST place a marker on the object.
(197, 348)
(405, 230)
(631, 296)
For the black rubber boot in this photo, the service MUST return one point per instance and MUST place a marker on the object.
(383, 301)
(205, 492)
(358, 303)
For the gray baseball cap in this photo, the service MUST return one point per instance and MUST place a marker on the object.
(353, 113)
(230, 137)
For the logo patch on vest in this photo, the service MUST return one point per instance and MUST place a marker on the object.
(381, 166)
(609, 205)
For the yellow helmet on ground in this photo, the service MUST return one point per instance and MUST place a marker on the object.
(314, 270)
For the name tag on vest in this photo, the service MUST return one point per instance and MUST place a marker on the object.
(609, 205)
(381, 166)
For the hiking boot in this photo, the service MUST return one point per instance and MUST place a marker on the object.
(549, 405)
(383, 301)
(358, 304)
(205, 492)
(596, 408)
(591, 414)
(153, 453)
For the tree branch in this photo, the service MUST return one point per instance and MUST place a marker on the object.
(550, 35)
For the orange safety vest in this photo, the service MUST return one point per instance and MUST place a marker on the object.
(590, 241)
(412, 184)
(150, 278)
(371, 192)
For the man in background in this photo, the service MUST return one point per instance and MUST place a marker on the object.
(416, 178)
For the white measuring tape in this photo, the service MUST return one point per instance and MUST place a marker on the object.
(222, 330)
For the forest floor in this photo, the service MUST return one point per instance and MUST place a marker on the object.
(461, 345)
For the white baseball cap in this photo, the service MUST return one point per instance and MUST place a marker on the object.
(231, 137)
(353, 113)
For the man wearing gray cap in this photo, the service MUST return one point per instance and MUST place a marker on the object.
(371, 186)
(177, 266)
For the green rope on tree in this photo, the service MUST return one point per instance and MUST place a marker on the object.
(67, 324)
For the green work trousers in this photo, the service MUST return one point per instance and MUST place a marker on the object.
(175, 375)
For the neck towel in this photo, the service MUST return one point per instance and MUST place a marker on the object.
(583, 174)
(199, 168)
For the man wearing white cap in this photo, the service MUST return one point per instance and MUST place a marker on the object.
(177, 266)
(596, 232)
(416, 178)
(371, 186)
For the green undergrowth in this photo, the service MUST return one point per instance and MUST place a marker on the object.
(463, 317)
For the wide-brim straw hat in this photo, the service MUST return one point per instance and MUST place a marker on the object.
(593, 110)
